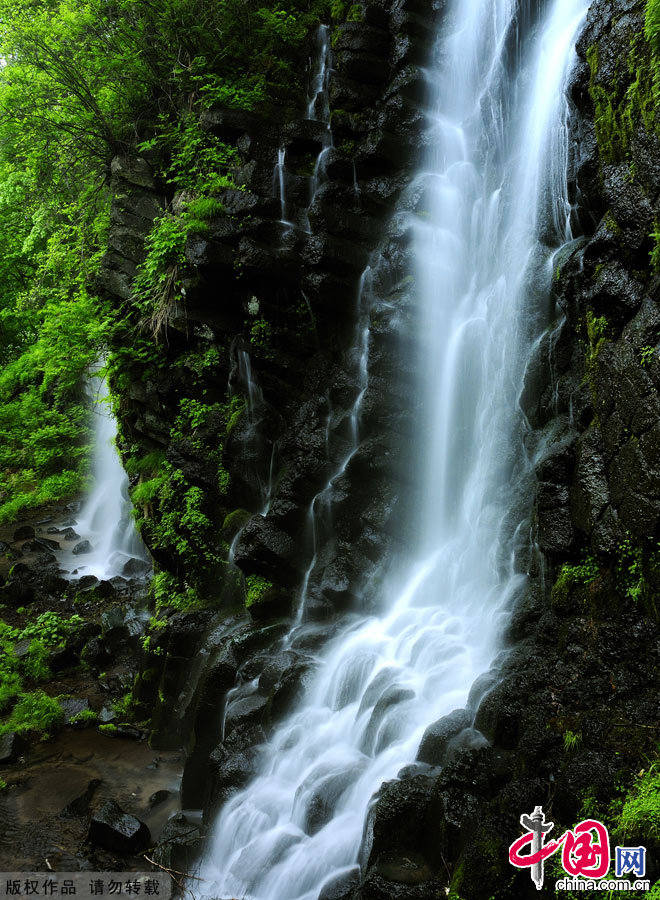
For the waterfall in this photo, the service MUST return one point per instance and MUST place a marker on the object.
(492, 209)
(105, 519)
(318, 110)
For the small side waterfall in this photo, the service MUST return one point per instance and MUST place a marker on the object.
(105, 519)
(318, 110)
(491, 210)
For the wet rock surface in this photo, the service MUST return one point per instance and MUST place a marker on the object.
(113, 829)
(571, 714)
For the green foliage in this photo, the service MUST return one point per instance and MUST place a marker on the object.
(256, 587)
(83, 80)
(35, 665)
(655, 252)
(632, 563)
(108, 729)
(124, 706)
(35, 711)
(572, 740)
(46, 633)
(646, 355)
(570, 575)
(261, 336)
(640, 814)
(170, 593)
(85, 717)
(596, 330)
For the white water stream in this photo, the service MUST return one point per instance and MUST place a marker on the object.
(105, 519)
(493, 210)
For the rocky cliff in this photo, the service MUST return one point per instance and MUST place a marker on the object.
(280, 401)
(277, 397)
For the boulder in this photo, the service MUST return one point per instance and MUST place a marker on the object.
(11, 747)
(113, 829)
(24, 533)
(437, 736)
(135, 567)
(79, 806)
(82, 548)
(73, 706)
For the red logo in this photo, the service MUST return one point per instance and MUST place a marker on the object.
(584, 851)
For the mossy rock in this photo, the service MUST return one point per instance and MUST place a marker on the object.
(234, 522)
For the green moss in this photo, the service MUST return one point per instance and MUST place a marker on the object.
(355, 13)
(108, 729)
(257, 587)
(261, 335)
(235, 521)
(148, 464)
(236, 409)
(596, 331)
(655, 252)
(570, 576)
(124, 706)
(631, 98)
(206, 208)
(85, 717)
(146, 492)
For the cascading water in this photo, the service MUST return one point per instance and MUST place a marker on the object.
(494, 208)
(105, 519)
(318, 110)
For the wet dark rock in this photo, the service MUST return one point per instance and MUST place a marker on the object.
(96, 653)
(69, 534)
(116, 830)
(180, 844)
(11, 747)
(244, 711)
(82, 548)
(80, 805)
(159, 797)
(72, 707)
(40, 545)
(264, 549)
(410, 868)
(339, 888)
(135, 567)
(437, 736)
(397, 821)
(107, 715)
(87, 582)
(130, 732)
(24, 533)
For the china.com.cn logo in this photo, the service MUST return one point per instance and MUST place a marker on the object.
(585, 852)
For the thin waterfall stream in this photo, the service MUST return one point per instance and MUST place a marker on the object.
(105, 520)
(492, 211)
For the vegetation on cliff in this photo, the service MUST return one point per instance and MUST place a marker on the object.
(83, 80)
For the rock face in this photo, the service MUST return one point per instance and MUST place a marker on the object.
(567, 715)
(288, 350)
(110, 827)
